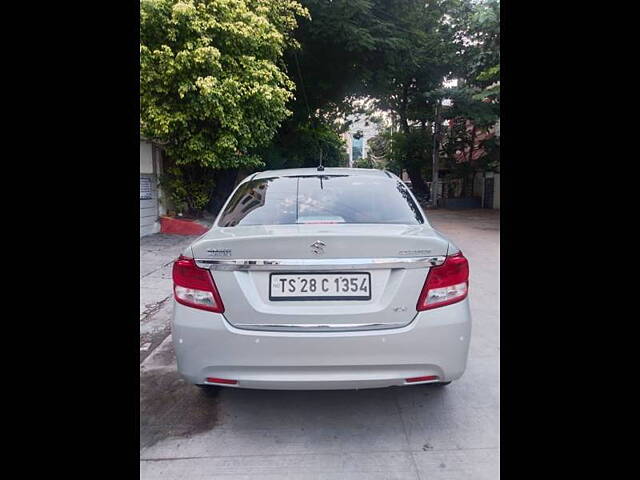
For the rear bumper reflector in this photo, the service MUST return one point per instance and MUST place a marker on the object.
(225, 381)
(421, 379)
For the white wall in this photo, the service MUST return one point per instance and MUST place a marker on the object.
(146, 157)
(346, 136)
(148, 207)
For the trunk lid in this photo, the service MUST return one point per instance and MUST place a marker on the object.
(387, 252)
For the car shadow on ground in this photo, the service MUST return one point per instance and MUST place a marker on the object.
(172, 408)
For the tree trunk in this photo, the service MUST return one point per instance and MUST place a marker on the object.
(471, 167)
(418, 184)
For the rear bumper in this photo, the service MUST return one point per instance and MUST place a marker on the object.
(435, 343)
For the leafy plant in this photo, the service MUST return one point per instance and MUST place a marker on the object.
(302, 143)
(212, 84)
(189, 187)
(364, 163)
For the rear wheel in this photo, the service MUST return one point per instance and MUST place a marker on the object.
(209, 390)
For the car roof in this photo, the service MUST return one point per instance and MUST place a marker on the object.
(296, 172)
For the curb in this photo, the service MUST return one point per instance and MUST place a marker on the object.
(181, 227)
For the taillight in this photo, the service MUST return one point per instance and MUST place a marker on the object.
(194, 287)
(445, 284)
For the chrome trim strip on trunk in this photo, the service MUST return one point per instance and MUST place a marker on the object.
(312, 264)
(307, 327)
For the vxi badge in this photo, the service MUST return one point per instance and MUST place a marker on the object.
(222, 252)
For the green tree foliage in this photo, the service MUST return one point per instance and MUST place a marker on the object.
(302, 144)
(424, 43)
(212, 84)
(470, 122)
(218, 78)
(327, 69)
(410, 151)
(476, 103)
(388, 49)
(414, 53)
(465, 104)
(189, 186)
(421, 44)
(477, 25)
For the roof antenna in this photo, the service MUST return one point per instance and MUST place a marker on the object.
(320, 167)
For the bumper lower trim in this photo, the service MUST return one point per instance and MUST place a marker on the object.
(308, 327)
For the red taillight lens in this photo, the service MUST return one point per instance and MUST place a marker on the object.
(445, 284)
(194, 287)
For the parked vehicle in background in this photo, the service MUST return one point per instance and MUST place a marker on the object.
(328, 279)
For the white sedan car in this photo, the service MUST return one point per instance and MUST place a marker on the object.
(321, 279)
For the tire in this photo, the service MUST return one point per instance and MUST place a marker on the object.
(209, 390)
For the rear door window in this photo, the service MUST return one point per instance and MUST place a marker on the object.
(321, 199)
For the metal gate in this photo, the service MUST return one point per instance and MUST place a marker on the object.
(148, 203)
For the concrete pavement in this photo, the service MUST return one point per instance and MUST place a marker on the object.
(419, 432)
(157, 253)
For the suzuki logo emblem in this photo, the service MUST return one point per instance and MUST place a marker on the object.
(317, 247)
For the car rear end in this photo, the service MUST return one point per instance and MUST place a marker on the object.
(330, 280)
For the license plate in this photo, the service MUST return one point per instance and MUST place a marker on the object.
(320, 286)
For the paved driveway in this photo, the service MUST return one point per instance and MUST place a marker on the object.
(157, 253)
(420, 432)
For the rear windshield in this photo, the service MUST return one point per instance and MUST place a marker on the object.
(321, 199)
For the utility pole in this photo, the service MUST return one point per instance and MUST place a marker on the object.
(434, 178)
(320, 166)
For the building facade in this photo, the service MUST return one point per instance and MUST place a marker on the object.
(362, 129)
(151, 203)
